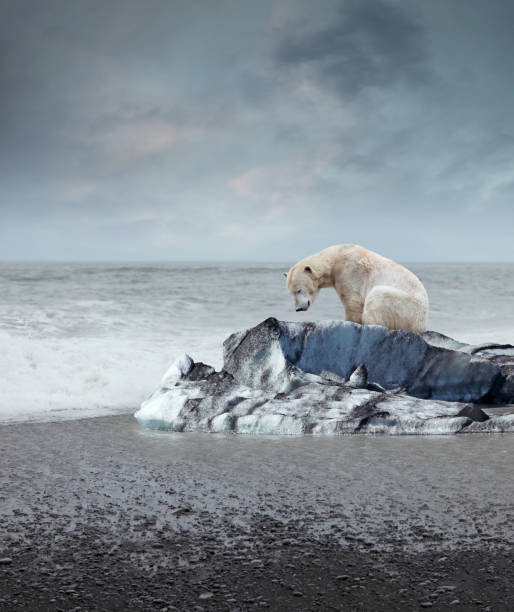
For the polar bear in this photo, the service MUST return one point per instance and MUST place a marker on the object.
(374, 290)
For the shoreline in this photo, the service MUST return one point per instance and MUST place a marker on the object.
(53, 417)
(99, 514)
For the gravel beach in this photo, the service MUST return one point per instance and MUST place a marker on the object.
(98, 514)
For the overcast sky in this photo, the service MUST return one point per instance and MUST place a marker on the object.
(256, 130)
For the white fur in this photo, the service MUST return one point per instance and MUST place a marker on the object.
(374, 290)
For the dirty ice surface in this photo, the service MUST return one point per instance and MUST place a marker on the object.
(335, 378)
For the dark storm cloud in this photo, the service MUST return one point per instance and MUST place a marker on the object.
(367, 44)
(255, 130)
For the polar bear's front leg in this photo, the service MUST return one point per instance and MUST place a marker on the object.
(350, 296)
(353, 310)
(354, 316)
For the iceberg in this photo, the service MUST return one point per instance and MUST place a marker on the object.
(336, 378)
(263, 357)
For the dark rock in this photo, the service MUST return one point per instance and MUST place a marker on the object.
(501, 355)
(502, 392)
(474, 413)
(200, 371)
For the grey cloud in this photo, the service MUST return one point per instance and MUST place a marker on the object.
(255, 130)
(372, 43)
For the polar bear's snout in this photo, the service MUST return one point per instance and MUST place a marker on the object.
(301, 302)
(302, 287)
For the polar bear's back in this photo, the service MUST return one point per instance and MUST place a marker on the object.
(395, 275)
(394, 308)
(391, 295)
(384, 271)
(395, 297)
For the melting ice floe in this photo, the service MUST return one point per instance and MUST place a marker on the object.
(291, 378)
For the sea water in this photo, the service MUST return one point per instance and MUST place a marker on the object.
(83, 339)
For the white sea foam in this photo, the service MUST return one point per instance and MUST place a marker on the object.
(66, 377)
(82, 340)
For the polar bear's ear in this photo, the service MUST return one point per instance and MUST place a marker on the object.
(284, 274)
(308, 269)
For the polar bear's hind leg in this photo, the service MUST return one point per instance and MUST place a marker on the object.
(395, 309)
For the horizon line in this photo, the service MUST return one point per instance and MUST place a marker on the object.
(226, 261)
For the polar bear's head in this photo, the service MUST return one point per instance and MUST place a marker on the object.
(302, 285)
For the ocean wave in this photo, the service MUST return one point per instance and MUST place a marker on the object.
(48, 378)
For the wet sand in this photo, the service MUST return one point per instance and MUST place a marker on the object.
(98, 514)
